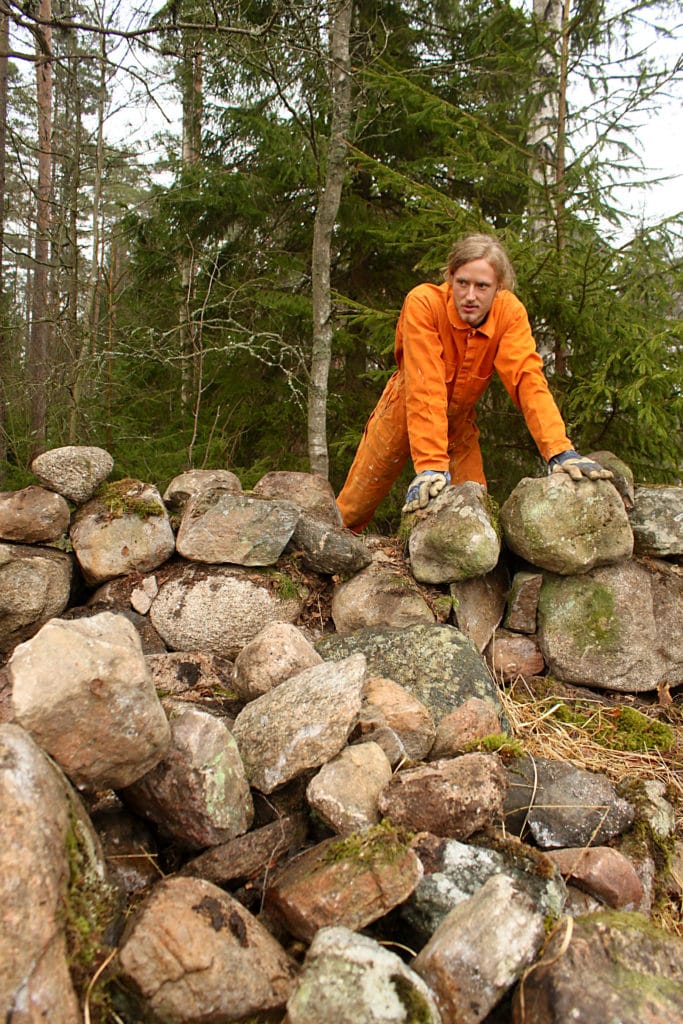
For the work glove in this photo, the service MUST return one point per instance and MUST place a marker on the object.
(424, 487)
(578, 467)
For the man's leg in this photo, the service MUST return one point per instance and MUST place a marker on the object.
(381, 455)
(464, 452)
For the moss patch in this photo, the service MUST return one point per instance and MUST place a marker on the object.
(616, 728)
(90, 907)
(582, 609)
(122, 498)
(413, 1001)
(497, 743)
(384, 842)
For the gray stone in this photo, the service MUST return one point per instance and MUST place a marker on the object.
(220, 527)
(437, 664)
(35, 585)
(83, 691)
(618, 627)
(185, 941)
(75, 471)
(327, 548)
(479, 604)
(33, 515)
(657, 521)
(349, 978)
(566, 526)
(622, 475)
(344, 793)
(301, 724)
(380, 595)
(455, 538)
(609, 966)
(455, 871)
(195, 482)
(309, 491)
(197, 794)
(276, 653)
(219, 609)
(122, 530)
(522, 602)
(562, 805)
(480, 949)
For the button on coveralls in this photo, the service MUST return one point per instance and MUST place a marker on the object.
(427, 409)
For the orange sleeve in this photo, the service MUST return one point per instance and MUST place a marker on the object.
(520, 368)
(419, 352)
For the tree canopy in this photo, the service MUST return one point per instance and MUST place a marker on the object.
(180, 300)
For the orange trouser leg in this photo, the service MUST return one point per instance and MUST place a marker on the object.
(382, 453)
(464, 453)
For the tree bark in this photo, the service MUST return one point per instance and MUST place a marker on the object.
(40, 327)
(325, 218)
(4, 336)
(192, 87)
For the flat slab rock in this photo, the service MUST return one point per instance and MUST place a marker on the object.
(437, 664)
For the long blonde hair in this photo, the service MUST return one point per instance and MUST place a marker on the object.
(482, 247)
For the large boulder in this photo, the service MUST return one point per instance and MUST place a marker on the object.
(47, 845)
(455, 539)
(220, 609)
(35, 585)
(566, 526)
(657, 521)
(84, 692)
(617, 628)
(437, 664)
(74, 471)
(125, 528)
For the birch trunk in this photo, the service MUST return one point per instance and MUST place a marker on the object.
(39, 343)
(4, 338)
(325, 218)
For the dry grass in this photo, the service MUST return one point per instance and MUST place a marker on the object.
(534, 723)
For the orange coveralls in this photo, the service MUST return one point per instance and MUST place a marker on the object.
(427, 409)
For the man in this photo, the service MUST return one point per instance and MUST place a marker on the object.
(449, 340)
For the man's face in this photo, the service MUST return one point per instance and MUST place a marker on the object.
(474, 288)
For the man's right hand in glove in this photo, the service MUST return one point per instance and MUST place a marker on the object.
(424, 487)
(578, 466)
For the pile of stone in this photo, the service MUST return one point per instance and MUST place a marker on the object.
(218, 806)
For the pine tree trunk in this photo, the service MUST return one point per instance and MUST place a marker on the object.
(325, 218)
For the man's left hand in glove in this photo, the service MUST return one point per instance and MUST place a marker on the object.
(424, 487)
(578, 467)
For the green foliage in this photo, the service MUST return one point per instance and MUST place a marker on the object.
(200, 354)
